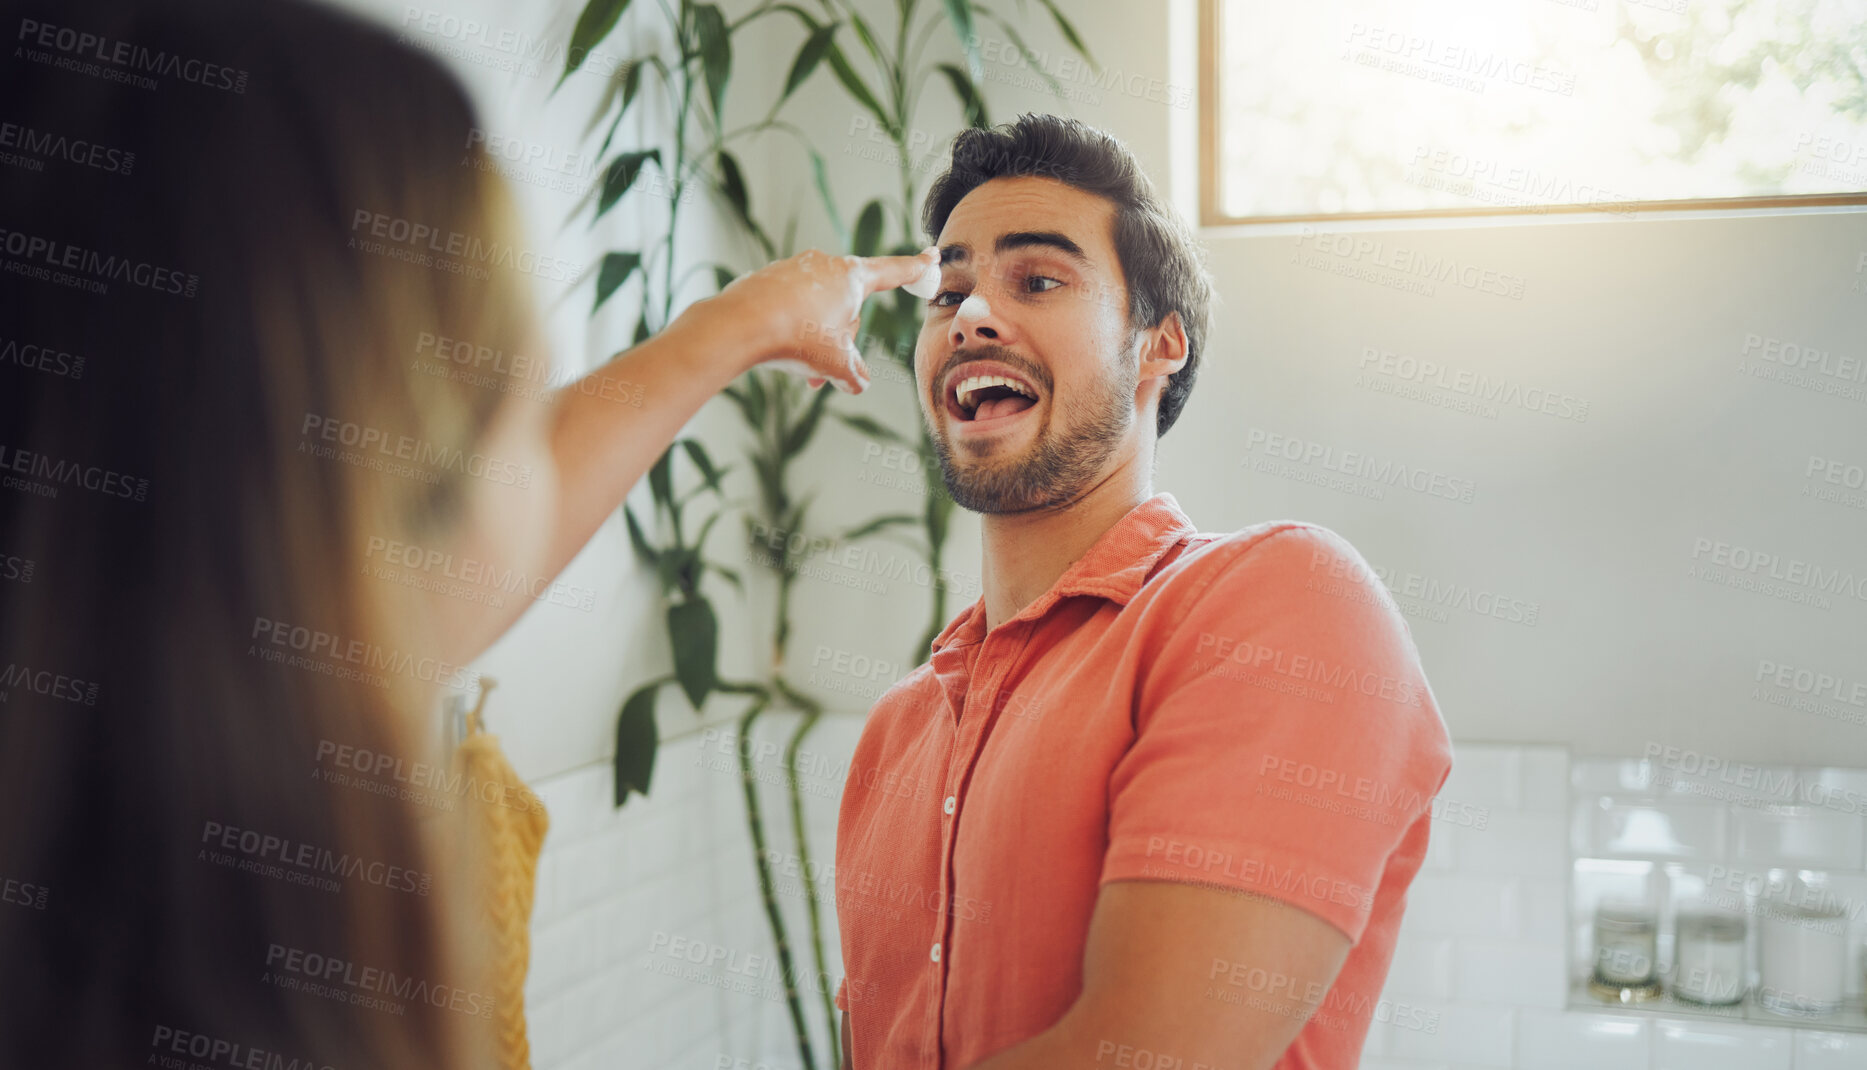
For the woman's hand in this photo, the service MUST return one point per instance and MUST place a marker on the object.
(802, 313)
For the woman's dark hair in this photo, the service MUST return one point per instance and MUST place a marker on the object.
(1160, 261)
(190, 277)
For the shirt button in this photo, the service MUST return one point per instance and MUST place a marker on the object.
(935, 954)
(951, 803)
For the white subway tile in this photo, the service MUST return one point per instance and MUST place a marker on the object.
(1696, 1045)
(1477, 1036)
(1441, 849)
(1510, 973)
(578, 802)
(1516, 844)
(1684, 773)
(1629, 777)
(1841, 790)
(1571, 1040)
(1483, 775)
(1800, 835)
(1830, 1051)
(1543, 780)
(544, 886)
(1420, 967)
(1545, 910)
(1667, 829)
(1458, 905)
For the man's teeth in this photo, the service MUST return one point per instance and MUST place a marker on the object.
(972, 384)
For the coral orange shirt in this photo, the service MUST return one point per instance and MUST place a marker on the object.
(1245, 711)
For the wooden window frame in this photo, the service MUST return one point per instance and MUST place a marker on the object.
(1211, 214)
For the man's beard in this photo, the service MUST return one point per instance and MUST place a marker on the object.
(1060, 466)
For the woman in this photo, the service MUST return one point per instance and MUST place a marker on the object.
(231, 233)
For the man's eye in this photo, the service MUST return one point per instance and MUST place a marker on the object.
(1032, 282)
(940, 299)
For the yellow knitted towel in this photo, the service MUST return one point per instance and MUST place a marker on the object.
(508, 824)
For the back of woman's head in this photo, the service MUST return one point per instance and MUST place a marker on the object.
(213, 306)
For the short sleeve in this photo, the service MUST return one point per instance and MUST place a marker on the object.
(1285, 736)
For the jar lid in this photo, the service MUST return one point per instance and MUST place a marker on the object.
(1709, 924)
(1625, 917)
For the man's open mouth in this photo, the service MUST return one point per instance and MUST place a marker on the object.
(988, 396)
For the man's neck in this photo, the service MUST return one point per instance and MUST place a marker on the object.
(1025, 553)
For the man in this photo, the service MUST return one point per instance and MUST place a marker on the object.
(1157, 797)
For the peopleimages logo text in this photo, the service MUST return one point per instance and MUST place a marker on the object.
(130, 56)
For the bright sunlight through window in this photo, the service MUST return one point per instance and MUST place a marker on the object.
(1332, 108)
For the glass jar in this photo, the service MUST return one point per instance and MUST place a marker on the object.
(1626, 947)
(1708, 957)
(1802, 958)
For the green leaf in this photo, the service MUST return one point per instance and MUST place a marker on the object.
(959, 13)
(722, 276)
(868, 425)
(1017, 41)
(638, 539)
(809, 54)
(770, 478)
(641, 332)
(741, 399)
(716, 54)
(695, 634)
(617, 267)
(857, 88)
(755, 389)
(631, 82)
(799, 435)
(795, 520)
(598, 18)
(939, 514)
(868, 229)
(637, 739)
(621, 174)
(878, 524)
(730, 576)
(700, 540)
(660, 481)
(867, 37)
(671, 570)
(698, 454)
(821, 172)
(733, 186)
(1069, 33)
(968, 94)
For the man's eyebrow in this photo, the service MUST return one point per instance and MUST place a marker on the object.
(1022, 239)
(960, 252)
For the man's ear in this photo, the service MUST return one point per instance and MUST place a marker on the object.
(1163, 347)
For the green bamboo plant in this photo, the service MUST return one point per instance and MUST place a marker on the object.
(693, 69)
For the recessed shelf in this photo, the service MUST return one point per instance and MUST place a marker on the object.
(1851, 1018)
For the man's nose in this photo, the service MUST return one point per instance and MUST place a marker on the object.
(976, 321)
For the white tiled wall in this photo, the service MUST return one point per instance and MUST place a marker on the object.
(678, 865)
(1482, 954)
(1483, 943)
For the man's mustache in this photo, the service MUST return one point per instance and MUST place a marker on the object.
(1029, 368)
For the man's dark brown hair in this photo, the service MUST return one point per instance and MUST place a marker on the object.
(1160, 261)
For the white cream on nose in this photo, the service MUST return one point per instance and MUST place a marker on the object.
(974, 308)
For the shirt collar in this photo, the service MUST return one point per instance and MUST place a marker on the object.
(1114, 567)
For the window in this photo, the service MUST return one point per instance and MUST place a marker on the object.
(1333, 109)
